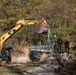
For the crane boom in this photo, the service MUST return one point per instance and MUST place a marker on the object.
(19, 24)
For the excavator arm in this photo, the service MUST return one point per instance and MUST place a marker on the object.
(18, 25)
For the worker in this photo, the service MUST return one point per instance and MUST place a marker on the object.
(54, 36)
(66, 45)
(59, 44)
(55, 45)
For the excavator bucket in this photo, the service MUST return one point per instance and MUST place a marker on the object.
(43, 28)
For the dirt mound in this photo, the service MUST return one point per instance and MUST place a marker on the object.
(22, 57)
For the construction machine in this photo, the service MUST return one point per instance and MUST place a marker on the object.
(7, 35)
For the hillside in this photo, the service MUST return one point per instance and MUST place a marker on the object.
(60, 15)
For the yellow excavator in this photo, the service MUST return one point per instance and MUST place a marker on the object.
(19, 24)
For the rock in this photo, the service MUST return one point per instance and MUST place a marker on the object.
(45, 56)
(64, 56)
(71, 57)
(67, 57)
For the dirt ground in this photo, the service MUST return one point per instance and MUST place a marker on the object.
(17, 69)
(47, 67)
(35, 68)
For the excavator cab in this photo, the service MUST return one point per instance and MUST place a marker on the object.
(5, 54)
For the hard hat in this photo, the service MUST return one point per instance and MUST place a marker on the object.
(42, 50)
(54, 36)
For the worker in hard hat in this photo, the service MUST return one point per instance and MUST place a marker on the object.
(55, 45)
(54, 36)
